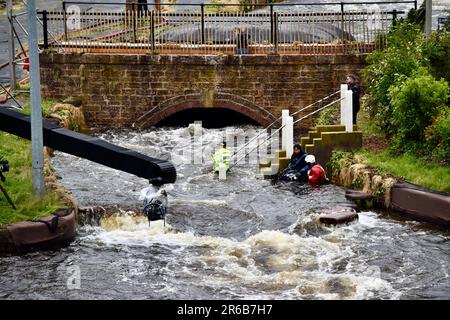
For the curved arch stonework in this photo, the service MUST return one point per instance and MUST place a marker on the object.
(217, 100)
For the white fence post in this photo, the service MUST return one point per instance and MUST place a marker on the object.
(222, 171)
(198, 149)
(284, 116)
(344, 89)
(349, 111)
(289, 136)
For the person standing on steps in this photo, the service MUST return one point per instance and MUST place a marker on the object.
(353, 85)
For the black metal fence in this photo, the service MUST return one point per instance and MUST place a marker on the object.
(229, 30)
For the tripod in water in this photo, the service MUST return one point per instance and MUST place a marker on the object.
(4, 167)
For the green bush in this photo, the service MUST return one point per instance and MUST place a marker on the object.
(437, 136)
(415, 101)
(401, 58)
(437, 52)
(330, 115)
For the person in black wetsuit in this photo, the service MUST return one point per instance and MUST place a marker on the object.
(353, 85)
(298, 168)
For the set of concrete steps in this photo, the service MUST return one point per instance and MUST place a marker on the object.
(328, 134)
(319, 142)
(271, 166)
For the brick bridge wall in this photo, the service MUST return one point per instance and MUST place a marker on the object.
(141, 90)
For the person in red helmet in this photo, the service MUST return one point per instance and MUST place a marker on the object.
(316, 175)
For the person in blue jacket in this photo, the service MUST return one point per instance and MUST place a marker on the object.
(298, 165)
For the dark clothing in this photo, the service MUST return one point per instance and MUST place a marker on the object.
(142, 5)
(242, 42)
(298, 161)
(356, 89)
(297, 169)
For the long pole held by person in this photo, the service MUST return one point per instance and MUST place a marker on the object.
(35, 103)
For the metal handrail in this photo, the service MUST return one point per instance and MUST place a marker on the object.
(251, 140)
(316, 102)
(278, 119)
(320, 109)
(278, 130)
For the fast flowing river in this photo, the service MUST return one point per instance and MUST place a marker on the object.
(243, 238)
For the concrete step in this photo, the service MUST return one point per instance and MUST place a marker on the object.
(264, 164)
(269, 172)
(330, 128)
(274, 159)
(281, 153)
(317, 142)
(340, 137)
(304, 141)
(283, 163)
(309, 148)
(314, 135)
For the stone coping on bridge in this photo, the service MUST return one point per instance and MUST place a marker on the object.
(205, 59)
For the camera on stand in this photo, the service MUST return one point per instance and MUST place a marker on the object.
(4, 166)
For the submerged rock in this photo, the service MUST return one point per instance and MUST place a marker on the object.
(338, 215)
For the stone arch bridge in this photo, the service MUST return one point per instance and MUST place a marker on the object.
(141, 90)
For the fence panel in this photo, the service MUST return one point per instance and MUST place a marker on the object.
(204, 32)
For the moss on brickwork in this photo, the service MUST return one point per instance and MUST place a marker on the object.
(208, 98)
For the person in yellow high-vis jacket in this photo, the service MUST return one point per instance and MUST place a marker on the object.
(222, 156)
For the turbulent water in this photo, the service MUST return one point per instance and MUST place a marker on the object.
(244, 238)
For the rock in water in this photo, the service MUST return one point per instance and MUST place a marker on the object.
(338, 215)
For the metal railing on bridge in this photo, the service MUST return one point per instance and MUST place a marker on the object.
(218, 28)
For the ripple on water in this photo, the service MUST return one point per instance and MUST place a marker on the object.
(243, 238)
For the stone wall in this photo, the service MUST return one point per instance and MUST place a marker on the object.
(140, 90)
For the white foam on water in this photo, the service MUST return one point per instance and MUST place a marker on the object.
(207, 202)
(270, 261)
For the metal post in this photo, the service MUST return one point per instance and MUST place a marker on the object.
(65, 20)
(45, 28)
(35, 103)
(271, 25)
(12, 51)
(342, 21)
(394, 17)
(428, 16)
(133, 17)
(275, 32)
(152, 30)
(203, 22)
(415, 4)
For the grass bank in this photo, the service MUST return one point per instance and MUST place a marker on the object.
(430, 175)
(19, 184)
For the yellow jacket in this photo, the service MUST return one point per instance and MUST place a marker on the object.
(221, 156)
